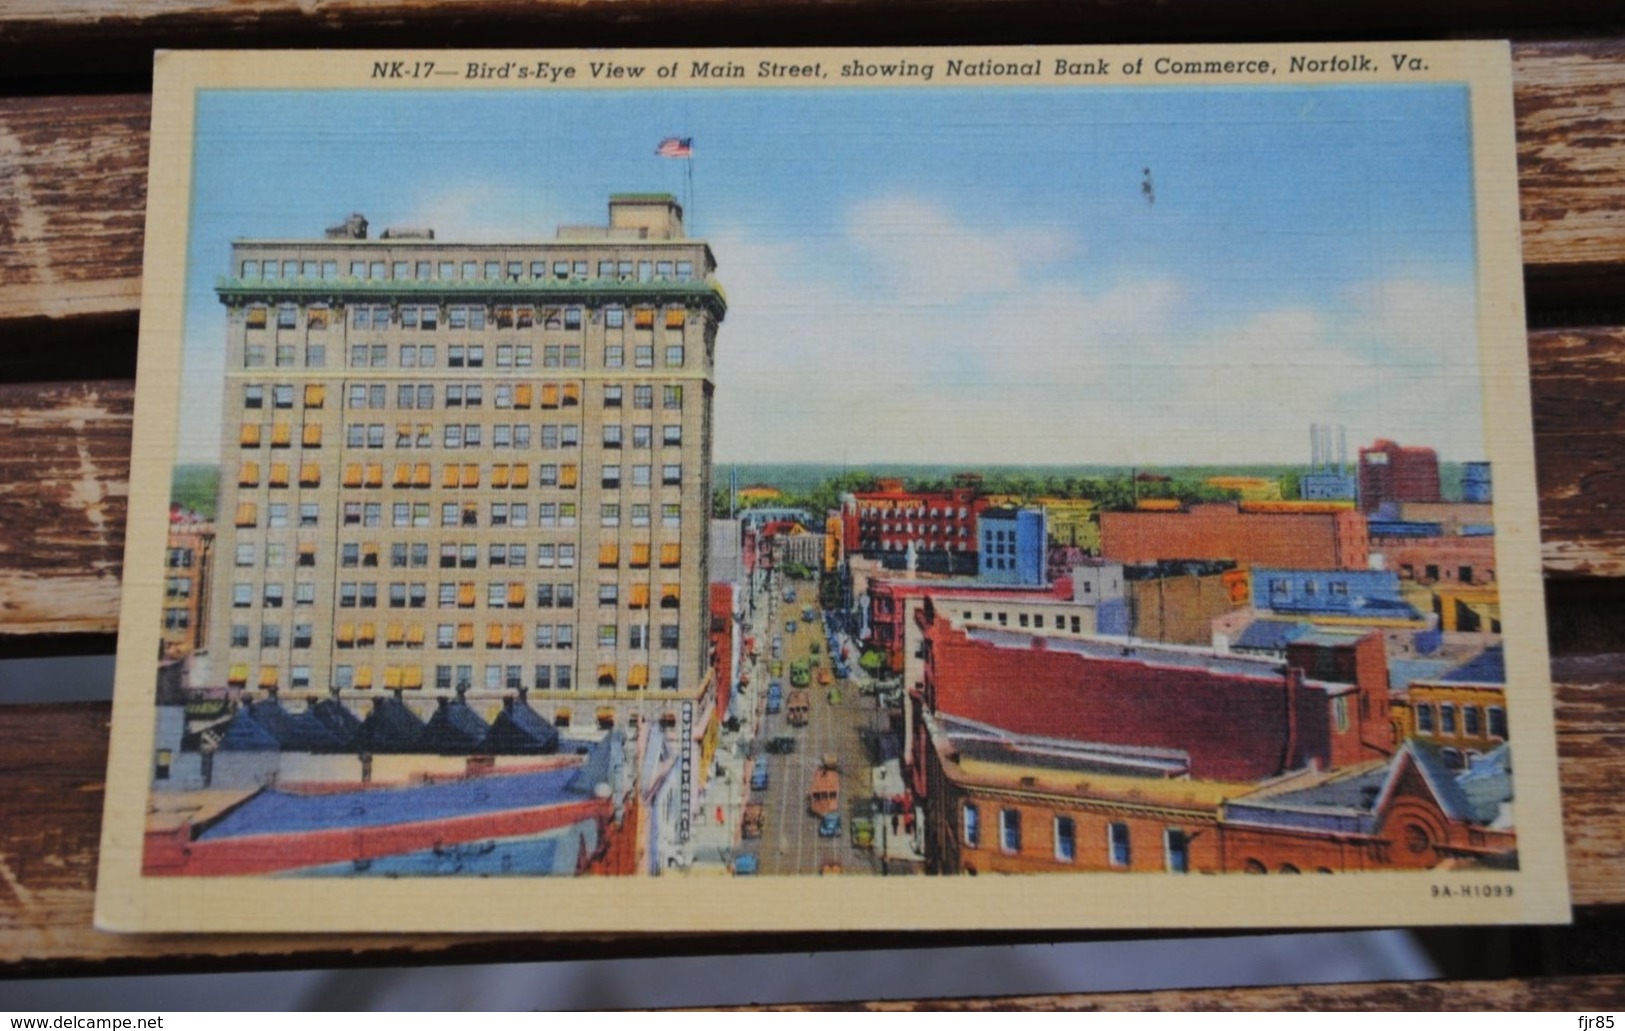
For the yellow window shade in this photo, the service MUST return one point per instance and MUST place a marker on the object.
(675, 318)
(281, 434)
(522, 395)
(550, 395)
(310, 475)
(346, 634)
(609, 554)
(279, 474)
(248, 514)
(257, 317)
(250, 436)
(448, 476)
(671, 554)
(499, 475)
(375, 474)
(521, 476)
(640, 555)
(567, 476)
(470, 512)
(238, 675)
(516, 635)
(313, 434)
(366, 633)
(422, 475)
(493, 635)
(414, 636)
(267, 676)
(363, 676)
(670, 594)
(643, 318)
(352, 475)
(392, 678)
(465, 595)
(412, 677)
(606, 674)
(572, 393)
(640, 596)
(606, 716)
(403, 474)
(403, 429)
(516, 596)
(561, 715)
(315, 395)
(249, 475)
(308, 549)
(396, 634)
(471, 475)
(638, 677)
(369, 553)
(465, 634)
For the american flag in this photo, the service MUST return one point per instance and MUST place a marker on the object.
(676, 147)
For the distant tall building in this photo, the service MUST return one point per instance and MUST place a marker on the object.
(188, 568)
(1011, 543)
(470, 467)
(1329, 477)
(1389, 472)
(1476, 486)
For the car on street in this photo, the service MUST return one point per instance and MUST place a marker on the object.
(775, 697)
(790, 627)
(830, 826)
(746, 864)
(758, 774)
(783, 744)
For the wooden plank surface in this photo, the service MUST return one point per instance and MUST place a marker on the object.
(50, 817)
(72, 185)
(1519, 995)
(64, 480)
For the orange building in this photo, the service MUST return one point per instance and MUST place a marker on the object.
(1289, 540)
(188, 567)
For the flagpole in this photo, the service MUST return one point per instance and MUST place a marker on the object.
(689, 162)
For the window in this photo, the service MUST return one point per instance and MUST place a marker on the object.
(669, 633)
(1066, 839)
(1447, 718)
(612, 436)
(671, 435)
(606, 635)
(1424, 718)
(674, 355)
(270, 635)
(643, 397)
(273, 596)
(304, 594)
(671, 515)
(612, 477)
(671, 475)
(242, 596)
(1176, 846)
(1010, 830)
(1340, 713)
(640, 515)
(1498, 722)
(672, 397)
(1472, 720)
(971, 822)
(1118, 848)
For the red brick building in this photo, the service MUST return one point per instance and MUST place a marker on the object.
(1389, 472)
(940, 524)
(721, 631)
(1237, 719)
(1286, 540)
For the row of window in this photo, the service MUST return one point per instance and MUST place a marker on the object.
(319, 317)
(464, 595)
(1474, 720)
(871, 513)
(1118, 846)
(1036, 620)
(497, 677)
(559, 270)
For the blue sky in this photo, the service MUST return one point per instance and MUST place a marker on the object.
(949, 275)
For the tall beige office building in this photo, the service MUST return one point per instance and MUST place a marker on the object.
(481, 467)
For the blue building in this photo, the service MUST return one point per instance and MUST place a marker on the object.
(1367, 594)
(1011, 543)
(1475, 483)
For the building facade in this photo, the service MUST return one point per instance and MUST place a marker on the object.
(1333, 539)
(470, 467)
(188, 568)
(938, 528)
(1389, 472)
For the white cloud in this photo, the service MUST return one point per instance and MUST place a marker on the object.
(488, 212)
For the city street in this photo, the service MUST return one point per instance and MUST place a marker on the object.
(790, 843)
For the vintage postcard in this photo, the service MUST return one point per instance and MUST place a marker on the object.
(942, 488)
